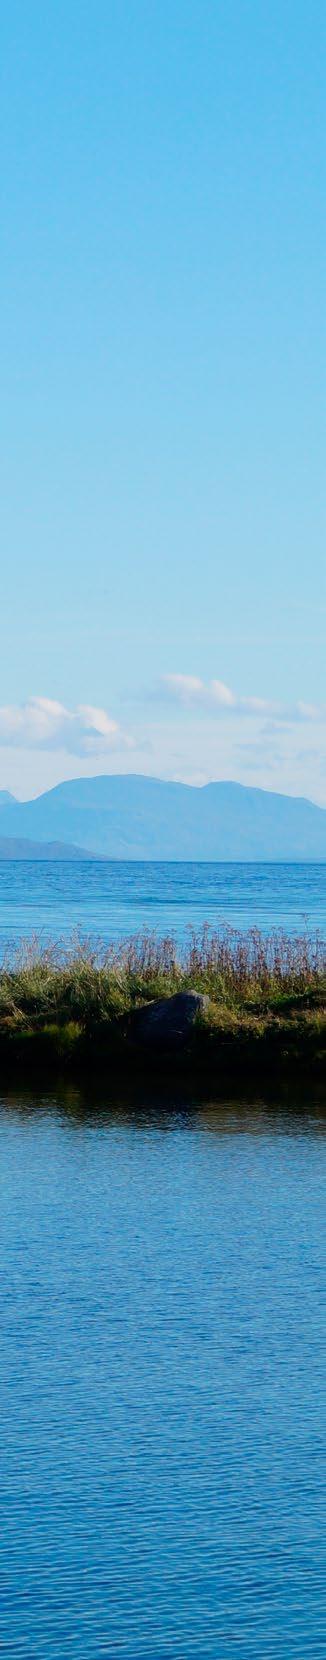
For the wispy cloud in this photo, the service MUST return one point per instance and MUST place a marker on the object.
(42, 723)
(188, 691)
(187, 688)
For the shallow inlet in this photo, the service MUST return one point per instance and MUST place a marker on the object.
(162, 1376)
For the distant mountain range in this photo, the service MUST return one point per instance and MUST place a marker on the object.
(133, 817)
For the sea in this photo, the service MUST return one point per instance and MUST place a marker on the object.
(108, 900)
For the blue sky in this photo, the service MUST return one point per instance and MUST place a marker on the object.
(163, 410)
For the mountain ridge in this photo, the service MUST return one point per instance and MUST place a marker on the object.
(133, 816)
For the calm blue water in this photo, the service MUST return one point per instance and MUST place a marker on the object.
(114, 899)
(162, 1381)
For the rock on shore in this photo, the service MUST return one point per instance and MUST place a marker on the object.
(166, 1022)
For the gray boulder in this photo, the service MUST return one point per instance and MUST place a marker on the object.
(166, 1022)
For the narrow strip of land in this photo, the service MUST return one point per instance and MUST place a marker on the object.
(258, 1000)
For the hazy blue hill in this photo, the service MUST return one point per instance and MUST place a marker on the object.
(20, 847)
(129, 816)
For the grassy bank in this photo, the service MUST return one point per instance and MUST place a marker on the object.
(75, 1007)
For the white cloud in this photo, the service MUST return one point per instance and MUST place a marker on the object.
(184, 687)
(214, 695)
(221, 694)
(42, 723)
(309, 711)
(187, 688)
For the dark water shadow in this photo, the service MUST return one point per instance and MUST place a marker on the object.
(165, 1103)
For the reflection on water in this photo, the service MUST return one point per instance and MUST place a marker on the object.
(162, 1375)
